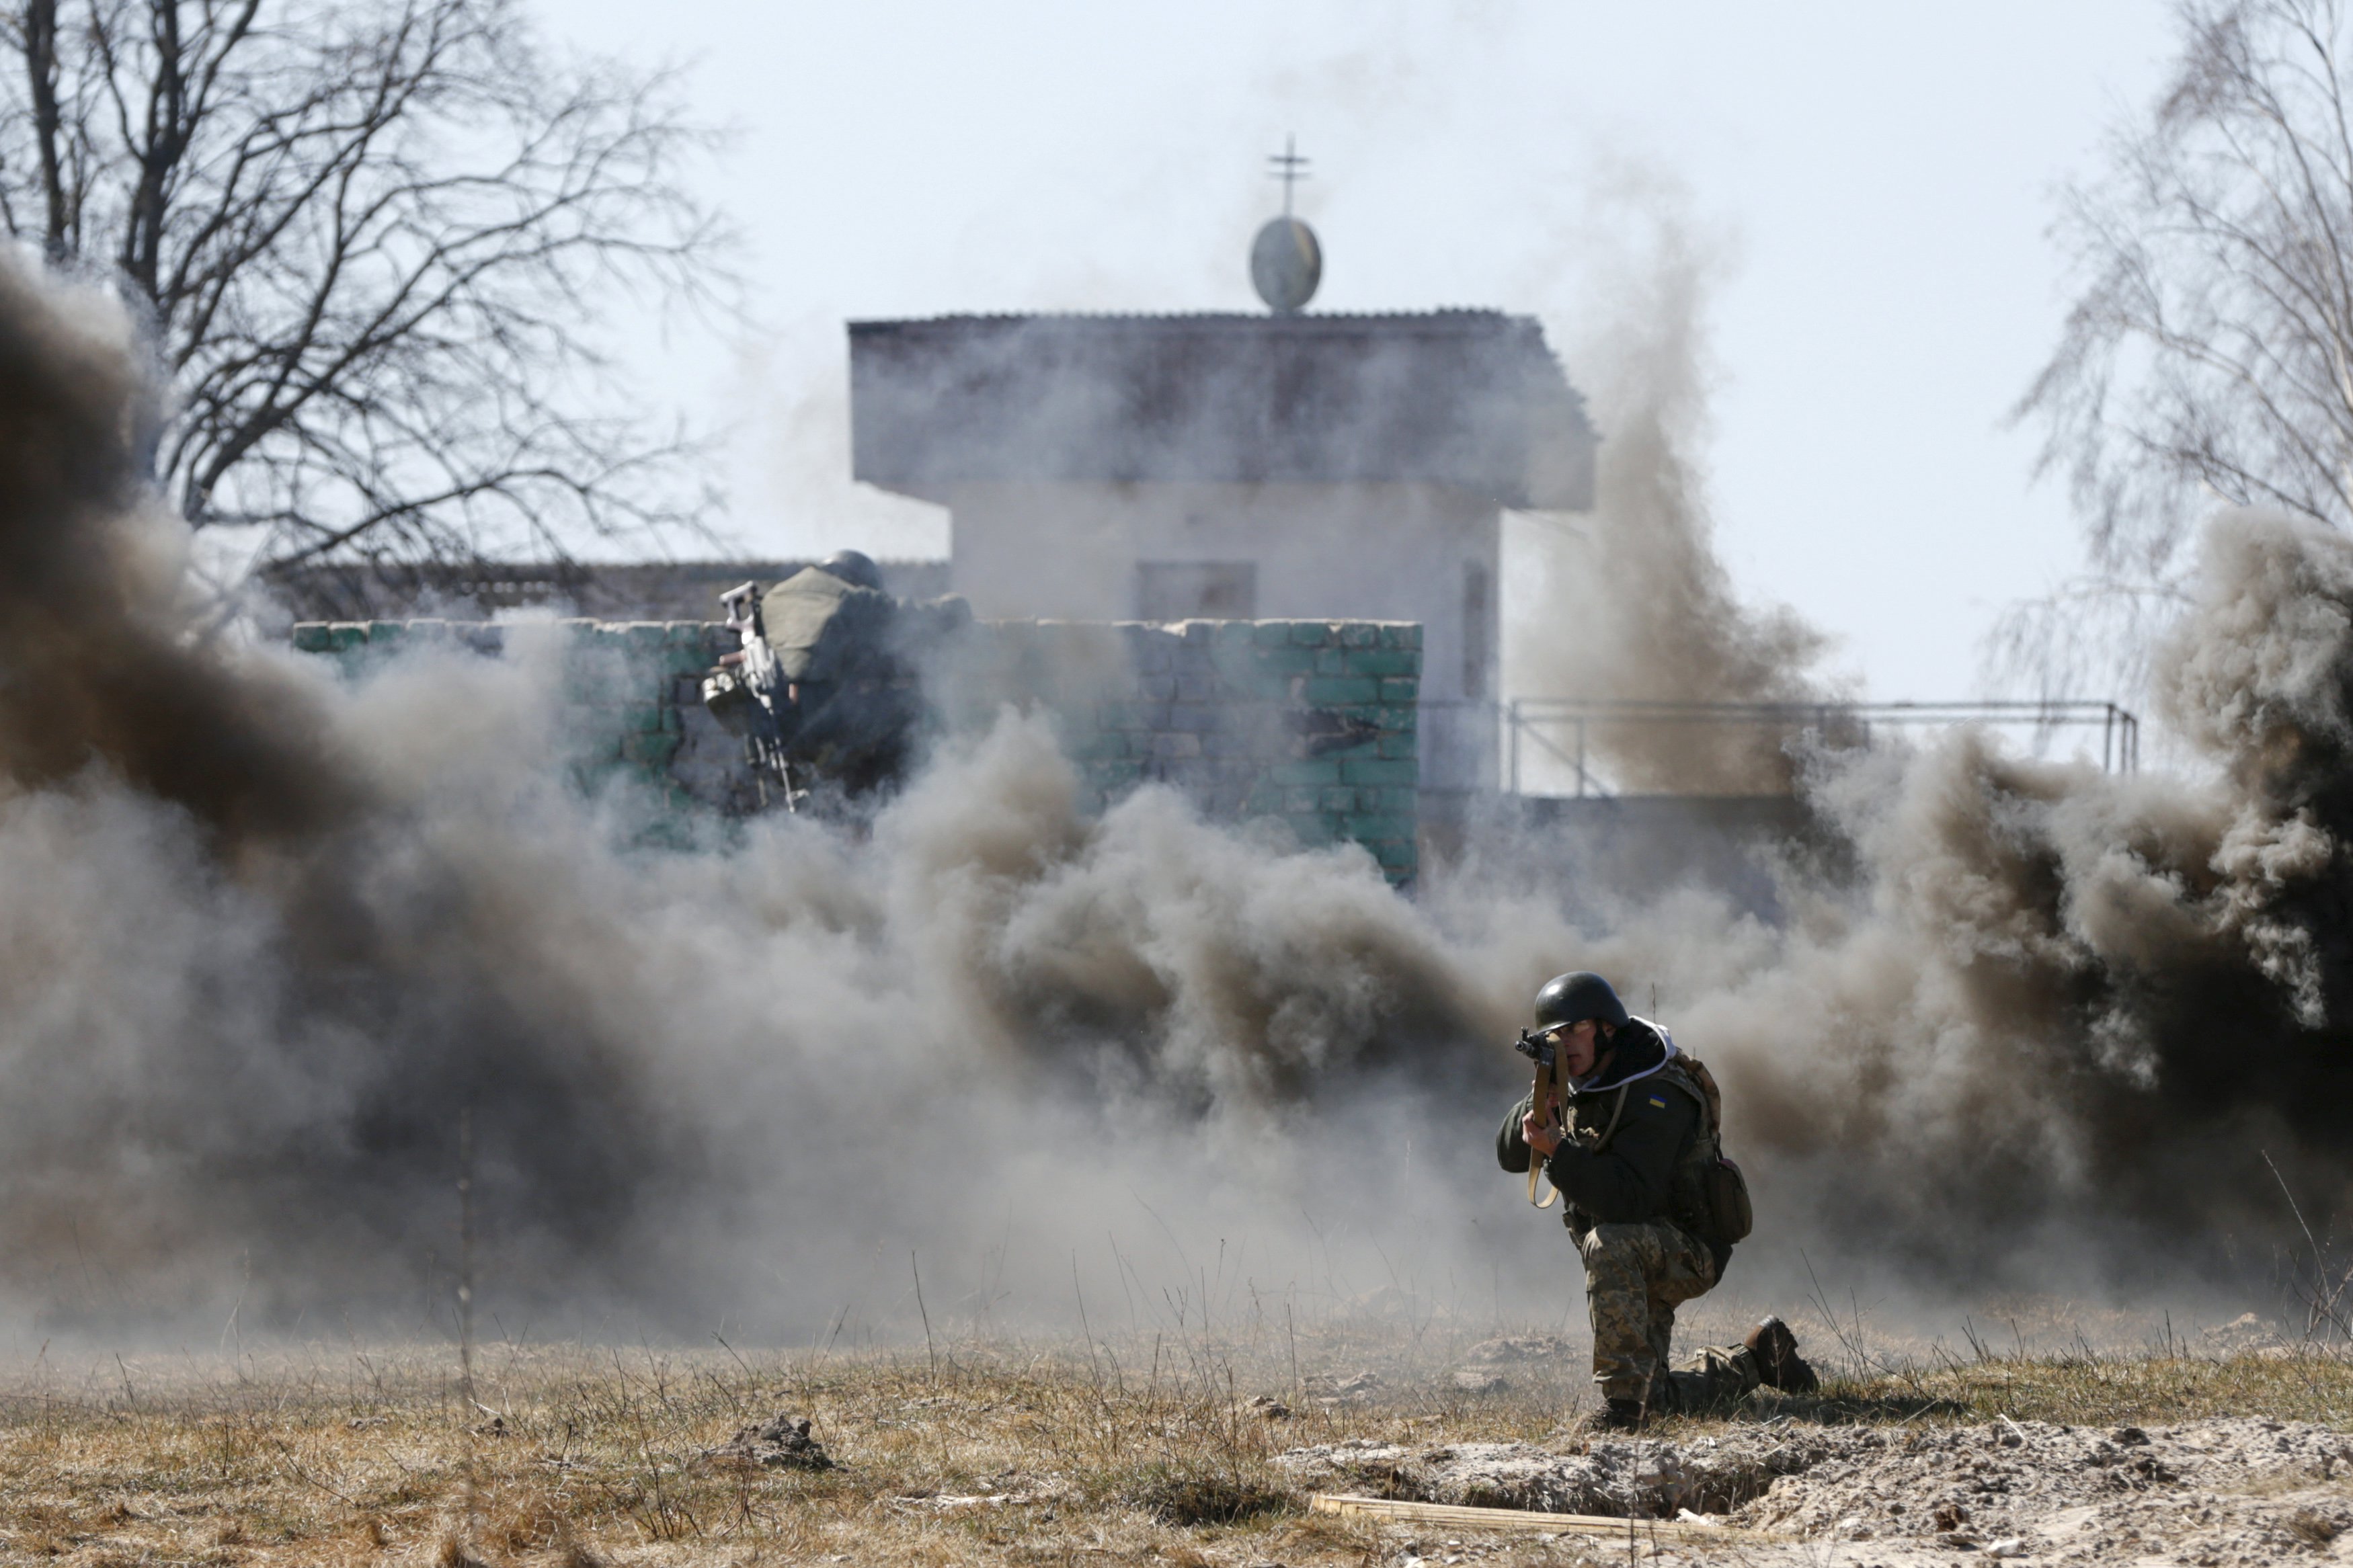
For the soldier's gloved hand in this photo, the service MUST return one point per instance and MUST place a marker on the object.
(1543, 1136)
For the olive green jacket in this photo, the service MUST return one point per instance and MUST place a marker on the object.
(1638, 1169)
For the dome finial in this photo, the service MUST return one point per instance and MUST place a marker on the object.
(1286, 262)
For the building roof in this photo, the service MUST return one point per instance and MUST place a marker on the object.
(603, 590)
(1466, 399)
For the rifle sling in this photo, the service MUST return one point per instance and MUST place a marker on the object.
(1536, 1166)
(1616, 1111)
(1540, 1099)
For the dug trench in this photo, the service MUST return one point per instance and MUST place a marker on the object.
(2217, 1491)
(2058, 1459)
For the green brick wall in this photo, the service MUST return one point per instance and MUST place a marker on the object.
(627, 690)
(1309, 721)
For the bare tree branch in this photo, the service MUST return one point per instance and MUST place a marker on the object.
(2207, 356)
(373, 240)
(2209, 350)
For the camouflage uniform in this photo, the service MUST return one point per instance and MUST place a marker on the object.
(1629, 1173)
(1636, 1274)
(854, 656)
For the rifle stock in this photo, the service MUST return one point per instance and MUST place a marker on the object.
(1541, 1052)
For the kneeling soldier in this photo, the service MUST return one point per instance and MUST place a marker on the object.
(1642, 1169)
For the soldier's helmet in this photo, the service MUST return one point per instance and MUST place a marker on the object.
(1575, 997)
(854, 567)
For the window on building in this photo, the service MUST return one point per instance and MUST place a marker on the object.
(1196, 590)
(1478, 630)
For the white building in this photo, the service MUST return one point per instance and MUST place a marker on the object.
(1164, 468)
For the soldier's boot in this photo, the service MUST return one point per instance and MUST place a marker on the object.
(1778, 1364)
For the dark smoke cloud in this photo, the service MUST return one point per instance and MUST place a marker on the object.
(248, 1002)
(86, 584)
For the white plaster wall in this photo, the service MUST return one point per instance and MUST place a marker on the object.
(1354, 552)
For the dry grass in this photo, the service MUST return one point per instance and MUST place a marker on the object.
(2082, 1390)
(1008, 1454)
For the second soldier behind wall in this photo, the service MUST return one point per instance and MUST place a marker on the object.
(1634, 1151)
(848, 708)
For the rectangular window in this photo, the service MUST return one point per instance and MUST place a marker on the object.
(1478, 630)
(1196, 590)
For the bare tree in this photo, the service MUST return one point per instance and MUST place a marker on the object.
(2209, 354)
(372, 240)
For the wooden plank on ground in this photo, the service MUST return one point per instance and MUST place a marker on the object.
(1524, 1522)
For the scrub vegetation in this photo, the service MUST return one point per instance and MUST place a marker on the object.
(1163, 1450)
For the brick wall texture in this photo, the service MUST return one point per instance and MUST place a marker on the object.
(1309, 721)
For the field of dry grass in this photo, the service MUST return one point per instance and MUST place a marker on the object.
(988, 1453)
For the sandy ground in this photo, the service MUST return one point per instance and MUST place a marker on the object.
(2213, 1492)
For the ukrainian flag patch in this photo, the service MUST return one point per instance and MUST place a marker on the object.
(1661, 1103)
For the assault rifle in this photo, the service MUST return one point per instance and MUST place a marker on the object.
(1540, 1050)
(748, 696)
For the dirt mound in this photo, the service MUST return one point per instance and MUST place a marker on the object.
(2220, 1493)
(780, 1443)
(2214, 1492)
(1512, 1348)
(1356, 1387)
(1485, 1364)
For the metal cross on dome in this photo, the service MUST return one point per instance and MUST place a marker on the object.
(1289, 167)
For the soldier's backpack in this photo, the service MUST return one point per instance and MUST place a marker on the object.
(1723, 1190)
(1710, 1195)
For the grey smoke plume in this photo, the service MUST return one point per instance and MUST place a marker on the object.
(2070, 1005)
(256, 966)
(267, 942)
(1637, 605)
(87, 582)
(2056, 1003)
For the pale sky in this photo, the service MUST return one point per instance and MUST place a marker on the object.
(1884, 174)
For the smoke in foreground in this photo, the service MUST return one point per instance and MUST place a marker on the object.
(264, 940)
(267, 941)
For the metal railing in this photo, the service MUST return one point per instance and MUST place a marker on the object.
(1559, 728)
(1460, 746)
